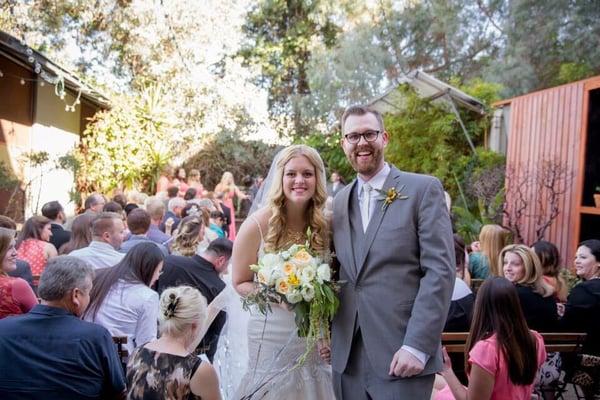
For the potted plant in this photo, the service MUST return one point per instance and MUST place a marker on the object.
(597, 197)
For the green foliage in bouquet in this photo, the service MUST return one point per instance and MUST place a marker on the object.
(301, 280)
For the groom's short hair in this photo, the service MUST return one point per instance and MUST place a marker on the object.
(361, 110)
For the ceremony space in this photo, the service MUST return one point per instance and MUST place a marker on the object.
(300, 199)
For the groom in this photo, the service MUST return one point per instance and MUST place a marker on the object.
(397, 257)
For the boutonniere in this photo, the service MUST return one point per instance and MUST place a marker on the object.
(390, 195)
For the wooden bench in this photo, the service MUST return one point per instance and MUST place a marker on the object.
(563, 342)
(122, 351)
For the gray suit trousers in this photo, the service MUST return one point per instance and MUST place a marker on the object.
(358, 382)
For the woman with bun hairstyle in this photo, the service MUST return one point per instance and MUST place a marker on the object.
(167, 368)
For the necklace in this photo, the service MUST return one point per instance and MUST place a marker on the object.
(296, 237)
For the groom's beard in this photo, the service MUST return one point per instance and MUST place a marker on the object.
(366, 167)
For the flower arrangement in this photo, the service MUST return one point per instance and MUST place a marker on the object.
(301, 280)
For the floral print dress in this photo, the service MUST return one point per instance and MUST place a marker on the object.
(153, 375)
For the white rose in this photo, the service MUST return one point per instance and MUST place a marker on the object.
(294, 297)
(293, 249)
(270, 260)
(308, 274)
(323, 273)
(286, 255)
(308, 292)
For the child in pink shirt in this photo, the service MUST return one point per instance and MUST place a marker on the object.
(499, 338)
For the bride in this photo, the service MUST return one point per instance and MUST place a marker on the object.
(295, 202)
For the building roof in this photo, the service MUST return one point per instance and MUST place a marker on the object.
(427, 87)
(20, 53)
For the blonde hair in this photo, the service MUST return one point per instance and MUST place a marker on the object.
(319, 240)
(180, 307)
(493, 238)
(533, 276)
(227, 180)
(188, 237)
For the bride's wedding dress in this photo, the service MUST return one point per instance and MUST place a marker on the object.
(273, 350)
(257, 356)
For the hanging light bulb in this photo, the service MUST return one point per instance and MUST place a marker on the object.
(1, 74)
(22, 81)
(66, 108)
(31, 59)
(42, 83)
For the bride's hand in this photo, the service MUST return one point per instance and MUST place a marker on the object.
(324, 350)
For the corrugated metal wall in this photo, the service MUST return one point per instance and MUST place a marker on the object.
(544, 127)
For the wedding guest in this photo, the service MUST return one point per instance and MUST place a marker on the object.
(181, 182)
(583, 304)
(55, 212)
(107, 237)
(50, 353)
(23, 269)
(137, 198)
(16, 296)
(175, 206)
(167, 367)
(81, 234)
(483, 263)
(195, 182)
(33, 244)
(122, 300)
(229, 190)
(336, 184)
(549, 257)
(165, 180)
(156, 209)
(113, 206)
(201, 271)
(220, 206)
(503, 353)
(217, 219)
(463, 299)
(522, 267)
(190, 194)
(130, 207)
(188, 236)
(120, 199)
(94, 203)
(138, 222)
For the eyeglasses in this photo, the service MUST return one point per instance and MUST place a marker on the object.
(369, 136)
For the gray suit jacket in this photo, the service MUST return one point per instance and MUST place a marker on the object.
(399, 276)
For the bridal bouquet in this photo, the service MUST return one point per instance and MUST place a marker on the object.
(302, 280)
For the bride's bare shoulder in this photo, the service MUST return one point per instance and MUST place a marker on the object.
(259, 217)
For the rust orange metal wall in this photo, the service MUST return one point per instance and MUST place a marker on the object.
(546, 125)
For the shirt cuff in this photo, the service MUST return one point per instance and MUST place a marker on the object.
(417, 353)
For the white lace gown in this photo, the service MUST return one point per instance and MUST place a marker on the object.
(272, 372)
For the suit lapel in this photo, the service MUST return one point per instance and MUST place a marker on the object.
(347, 256)
(377, 218)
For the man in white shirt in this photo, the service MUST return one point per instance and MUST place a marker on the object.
(107, 237)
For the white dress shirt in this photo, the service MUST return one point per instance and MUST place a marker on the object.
(99, 254)
(377, 183)
(129, 309)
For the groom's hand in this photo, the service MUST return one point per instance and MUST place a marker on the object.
(405, 365)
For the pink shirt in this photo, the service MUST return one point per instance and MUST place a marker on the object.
(487, 355)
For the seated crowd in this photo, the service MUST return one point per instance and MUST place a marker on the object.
(120, 267)
(60, 313)
(493, 320)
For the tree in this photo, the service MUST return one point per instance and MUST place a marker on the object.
(280, 38)
(127, 146)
